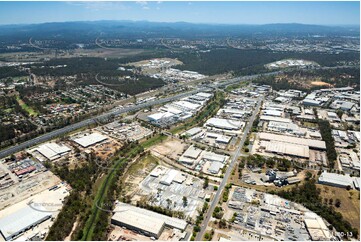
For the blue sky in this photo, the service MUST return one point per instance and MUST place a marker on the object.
(324, 13)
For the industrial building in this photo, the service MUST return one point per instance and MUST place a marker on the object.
(335, 180)
(316, 227)
(283, 148)
(22, 220)
(52, 151)
(144, 221)
(190, 155)
(89, 139)
(311, 143)
(226, 124)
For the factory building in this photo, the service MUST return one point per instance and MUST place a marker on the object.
(311, 143)
(335, 180)
(226, 124)
(52, 151)
(22, 220)
(90, 139)
(190, 155)
(144, 221)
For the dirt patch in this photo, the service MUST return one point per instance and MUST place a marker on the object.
(171, 148)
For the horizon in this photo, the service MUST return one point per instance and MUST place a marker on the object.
(185, 22)
(212, 12)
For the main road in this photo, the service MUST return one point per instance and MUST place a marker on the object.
(228, 172)
(55, 133)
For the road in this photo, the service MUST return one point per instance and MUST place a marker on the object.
(221, 187)
(51, 135)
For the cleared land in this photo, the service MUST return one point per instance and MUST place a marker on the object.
(350, 203)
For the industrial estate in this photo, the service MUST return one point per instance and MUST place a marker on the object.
(102, 144)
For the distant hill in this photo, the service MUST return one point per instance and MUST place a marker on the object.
(159, 29)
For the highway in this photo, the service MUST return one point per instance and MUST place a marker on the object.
(55, 133)
(228, 173)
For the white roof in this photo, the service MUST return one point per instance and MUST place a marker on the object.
(52, 151)
(169, 176)
(21, 219)
(193, 131)
(293, 140)
(192, 152)
(277, 119)
(271, 112)
(338, 179)
(288, 149)
(187, 105)
(224, 123)
(139, 220)
(90, 139)
(215, 167)
(204, 94)
(159, 116)
(169, 221)
(214, 157)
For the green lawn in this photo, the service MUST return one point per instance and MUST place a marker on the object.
(24, 106)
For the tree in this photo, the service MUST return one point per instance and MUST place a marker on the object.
(337, 203)
(206, 182)
(185, 201)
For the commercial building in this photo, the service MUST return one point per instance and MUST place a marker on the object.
(276, 119)
(336, 180)
(90, 139)
(22, 220)
(215, 167)
(283, 148)
(190, 155)
(226, 124)
(52, 151)
(311, 143)
(193, 131)
(144, 221)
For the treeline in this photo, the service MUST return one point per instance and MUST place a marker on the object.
(259, 161)
(81, 179)
(250, 61)
(325, 129)
(308, 195)
(11, 71)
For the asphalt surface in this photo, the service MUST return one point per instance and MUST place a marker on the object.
(55, 133)
(221, 187)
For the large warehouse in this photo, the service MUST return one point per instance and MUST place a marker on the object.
(89, 140)
(53, 151)
(221, 123)
(311, 143)
(335, 180)
(22, 220)
(144, 221)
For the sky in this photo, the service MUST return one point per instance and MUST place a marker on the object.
(322, 13)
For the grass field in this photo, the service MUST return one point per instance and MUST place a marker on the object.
(24, 106)
(350, 203)
(142, 164)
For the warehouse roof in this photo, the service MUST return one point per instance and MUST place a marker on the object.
(288, 149)
(21, 220)
(338, 179)
(90, 139)
(224, 123)
(193, 131)
(159, 116)
(169, 221)
(204, 94)
(278, 119)
(293, 140)
(192, 152)
(52, 151)
(139, 220)
(214, 157)
(215, 167)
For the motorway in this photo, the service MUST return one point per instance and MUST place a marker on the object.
(62, 131)
(221, 187)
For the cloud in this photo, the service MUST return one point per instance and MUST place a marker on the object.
(100, 6)
(142, 3)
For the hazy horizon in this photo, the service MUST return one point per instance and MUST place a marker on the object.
(229, 13)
